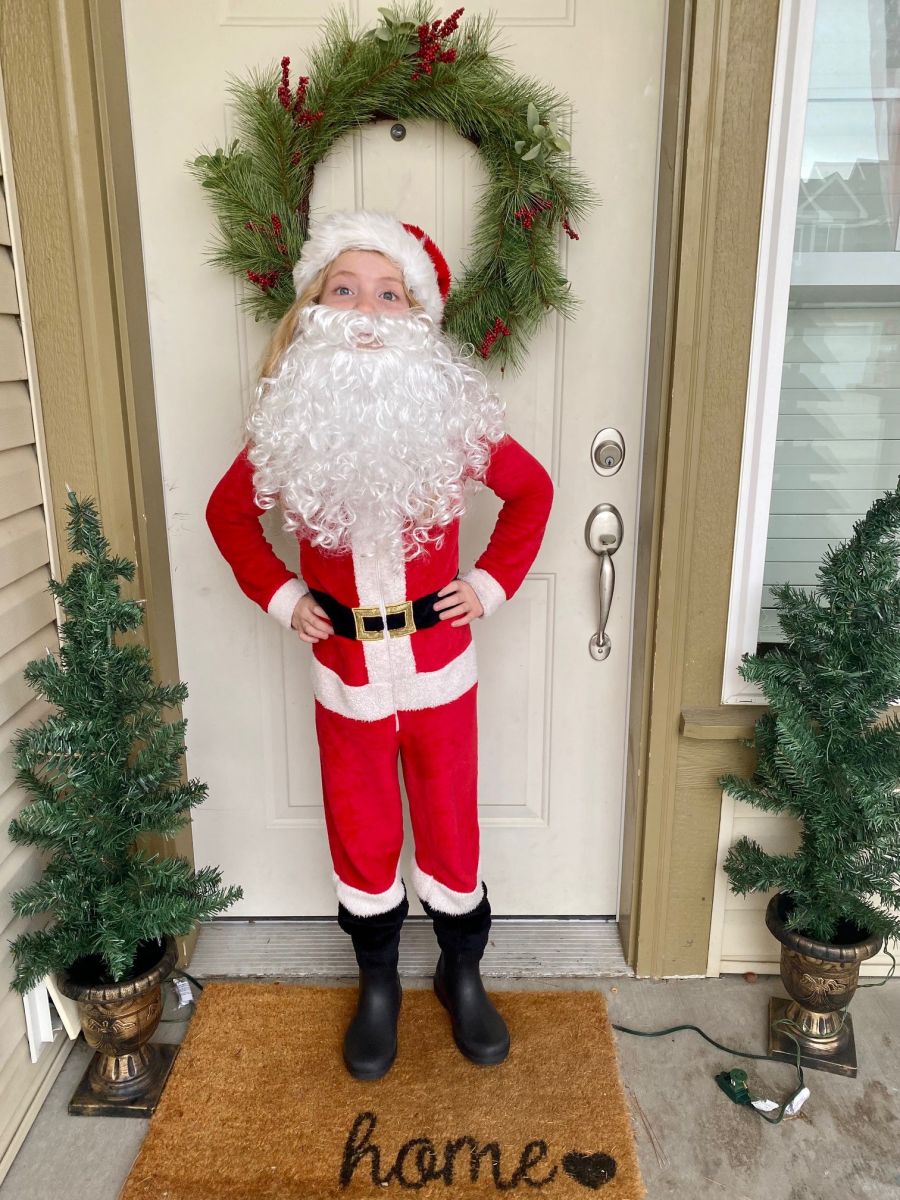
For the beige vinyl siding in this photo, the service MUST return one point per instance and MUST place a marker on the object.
(27, 629)
(838, 439)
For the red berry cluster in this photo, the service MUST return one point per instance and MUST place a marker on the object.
(264, 280)
(309, 118)
(528, 212)
(430, 49)
(294, 104)
(275, 230)
(569, 230)
(491, 336)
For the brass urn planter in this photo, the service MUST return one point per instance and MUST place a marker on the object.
(820, 979)
(126, 1076)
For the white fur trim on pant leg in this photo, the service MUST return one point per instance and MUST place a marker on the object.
(340, 231)
(442, 898)
(284, 601)
(368, 904)
(486, 588)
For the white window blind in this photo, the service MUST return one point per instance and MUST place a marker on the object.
(838, 440)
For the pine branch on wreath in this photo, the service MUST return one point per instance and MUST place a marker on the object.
(411, 66)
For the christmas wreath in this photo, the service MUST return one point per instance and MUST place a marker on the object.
(411, 66)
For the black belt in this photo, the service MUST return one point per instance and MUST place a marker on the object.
(364, 624)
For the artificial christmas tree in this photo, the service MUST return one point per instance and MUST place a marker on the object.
(828, 754)
(102, 770)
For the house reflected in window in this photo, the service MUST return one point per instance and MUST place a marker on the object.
(838, 436)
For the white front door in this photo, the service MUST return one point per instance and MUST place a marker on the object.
(552, 719)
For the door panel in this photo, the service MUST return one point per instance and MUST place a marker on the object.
(552, 720)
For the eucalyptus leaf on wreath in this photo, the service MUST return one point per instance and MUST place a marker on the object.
(393, 26)
(543, 137)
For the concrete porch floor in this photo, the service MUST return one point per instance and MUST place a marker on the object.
(692, 1141)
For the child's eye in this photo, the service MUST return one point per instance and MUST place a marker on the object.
(342, 288)
(390, 295)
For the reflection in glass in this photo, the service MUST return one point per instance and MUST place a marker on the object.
(838, 437)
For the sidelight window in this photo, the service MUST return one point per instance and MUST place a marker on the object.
(822, 429)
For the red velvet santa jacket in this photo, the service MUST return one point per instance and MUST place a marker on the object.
(369, 680)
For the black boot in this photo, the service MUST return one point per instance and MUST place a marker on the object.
(479, 1031)
(370, 1043)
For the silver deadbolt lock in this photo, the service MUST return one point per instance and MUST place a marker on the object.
(607, 451)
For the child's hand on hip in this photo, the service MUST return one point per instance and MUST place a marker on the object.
(459, 601)
(311, 622)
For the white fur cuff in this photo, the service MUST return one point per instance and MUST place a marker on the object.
(368, 904)
(283, 603)
(444, 899)
(486, 588)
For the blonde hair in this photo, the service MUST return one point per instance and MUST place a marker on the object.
(287, 326)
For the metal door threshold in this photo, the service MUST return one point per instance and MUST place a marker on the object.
(521, 947)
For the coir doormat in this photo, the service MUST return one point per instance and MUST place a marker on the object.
(259, 1104)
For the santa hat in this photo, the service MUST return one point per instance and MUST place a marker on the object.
(425, 270)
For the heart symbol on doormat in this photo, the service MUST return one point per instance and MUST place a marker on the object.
(590, 1170)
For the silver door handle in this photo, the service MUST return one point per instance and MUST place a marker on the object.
(603, 534)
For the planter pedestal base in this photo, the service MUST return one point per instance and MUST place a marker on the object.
(839, 1061)
(86, 1101)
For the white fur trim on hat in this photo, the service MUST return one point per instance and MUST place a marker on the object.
(362, 230)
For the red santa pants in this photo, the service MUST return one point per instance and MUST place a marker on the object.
(438, 752)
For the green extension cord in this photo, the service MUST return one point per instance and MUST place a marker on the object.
(196, 982)
(734, 1082)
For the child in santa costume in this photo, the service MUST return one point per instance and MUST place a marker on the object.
(369, 430)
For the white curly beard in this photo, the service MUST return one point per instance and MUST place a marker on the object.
(370, 427)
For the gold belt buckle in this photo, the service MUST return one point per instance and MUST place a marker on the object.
(367, 635)
(377, 635)
(407, 626)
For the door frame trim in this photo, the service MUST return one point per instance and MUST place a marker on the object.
(97, 208)
(643, 867)
(681, 320)
(728, 115)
